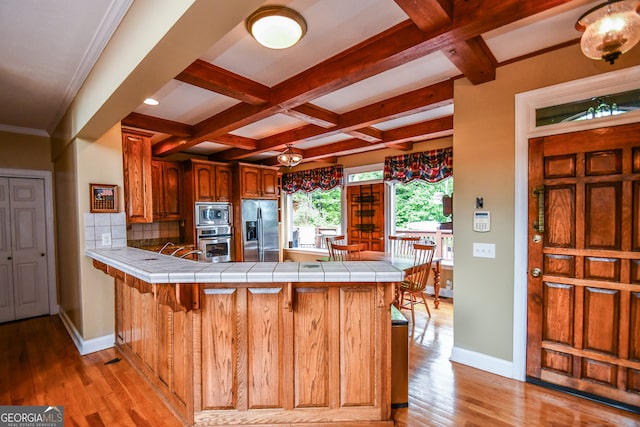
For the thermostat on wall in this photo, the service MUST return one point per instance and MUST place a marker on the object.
(481, 221)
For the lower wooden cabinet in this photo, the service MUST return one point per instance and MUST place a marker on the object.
(263, 354)
(321, 361)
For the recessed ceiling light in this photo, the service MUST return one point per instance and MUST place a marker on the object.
(151, 101)
(276, 27)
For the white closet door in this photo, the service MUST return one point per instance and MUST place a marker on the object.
(7, 311)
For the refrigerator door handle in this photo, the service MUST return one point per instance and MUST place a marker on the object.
(260, 235)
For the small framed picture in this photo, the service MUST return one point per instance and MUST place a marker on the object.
(103, 198)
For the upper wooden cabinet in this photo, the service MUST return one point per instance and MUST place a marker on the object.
(208, 181)
(167, 190)
(136, 160)
(258, 181)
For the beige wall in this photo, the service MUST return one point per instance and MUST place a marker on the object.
(67, 236)
(484, 153)
(19, 151)
(97, 162)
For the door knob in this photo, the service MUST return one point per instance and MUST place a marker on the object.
(536, 272)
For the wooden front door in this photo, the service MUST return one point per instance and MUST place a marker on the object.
(583, 328)
(365, 210)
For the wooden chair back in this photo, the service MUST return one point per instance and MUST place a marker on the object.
(411, 290)
(418, 275)
(330, 240)
(347, 252)
(403, 245)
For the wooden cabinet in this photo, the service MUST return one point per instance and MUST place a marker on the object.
(258, 182)
(208, 181)
(136, 160)
(324, 359)
(167, 190)
(154, 333)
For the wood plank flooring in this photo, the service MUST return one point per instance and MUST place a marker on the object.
(39, 365)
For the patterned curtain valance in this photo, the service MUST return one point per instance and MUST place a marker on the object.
(430, 166)
(312, 179)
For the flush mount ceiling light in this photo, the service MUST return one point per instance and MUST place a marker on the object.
(276, 27)
(610, 29)
(289, 158)
(151, 101)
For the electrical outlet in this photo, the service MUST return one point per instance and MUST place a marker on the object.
(484, 250)
(106, 239)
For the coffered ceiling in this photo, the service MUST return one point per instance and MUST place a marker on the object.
(368, 74)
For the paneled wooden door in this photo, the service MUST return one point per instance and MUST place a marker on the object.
(365, 210)
(584, 262)
(24, 289)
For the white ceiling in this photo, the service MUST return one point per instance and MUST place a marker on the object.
(48, 47)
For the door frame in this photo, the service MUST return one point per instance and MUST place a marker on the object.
(49, 227)
(526, 104)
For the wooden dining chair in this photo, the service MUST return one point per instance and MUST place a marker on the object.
(411, 290)
(403, 245)
(347, 252)
(330, 240)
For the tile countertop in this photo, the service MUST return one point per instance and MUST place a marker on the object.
(157, 268)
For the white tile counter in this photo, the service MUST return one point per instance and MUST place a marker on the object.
(152, 267)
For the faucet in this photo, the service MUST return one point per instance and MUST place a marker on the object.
(197, 251)
(165, 246)
(177, 250)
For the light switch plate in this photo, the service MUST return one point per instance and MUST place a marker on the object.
(484, 250)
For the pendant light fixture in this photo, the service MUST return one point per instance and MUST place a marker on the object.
(289, 158)
(276, 27)
(610, 29)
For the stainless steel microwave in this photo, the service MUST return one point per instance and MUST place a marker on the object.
(208, 214)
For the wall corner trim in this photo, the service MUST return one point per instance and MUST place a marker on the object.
(85, 346)
(482, 361)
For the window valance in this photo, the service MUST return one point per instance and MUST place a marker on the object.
(313, 179)
(430, 166)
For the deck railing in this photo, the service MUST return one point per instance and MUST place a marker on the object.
(442, 238)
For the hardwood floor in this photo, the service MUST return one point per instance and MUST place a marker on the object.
(39, 365)
(447, 394)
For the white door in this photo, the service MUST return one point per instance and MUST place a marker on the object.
(23, 260)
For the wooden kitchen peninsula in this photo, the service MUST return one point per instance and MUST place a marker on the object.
(255, 344)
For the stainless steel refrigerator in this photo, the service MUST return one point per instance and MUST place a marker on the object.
(260, 230)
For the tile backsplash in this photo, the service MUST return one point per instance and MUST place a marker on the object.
(105, 230)
(152, 234)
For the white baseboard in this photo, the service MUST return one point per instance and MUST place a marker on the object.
(85, 346)
(482, 361)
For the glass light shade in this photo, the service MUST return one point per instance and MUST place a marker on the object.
(610, 29)
(289, 158)
(276, 27)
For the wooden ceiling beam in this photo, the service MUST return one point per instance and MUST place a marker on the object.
(208, 76)
(474, 59)
(156, 124)
(400, 145)
(369, 134)
(419, 130)
(428, 14)
(314, 115)
(236, 141)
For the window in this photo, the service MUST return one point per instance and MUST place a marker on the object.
(315, 215)
(589, 109)
(418, 205)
